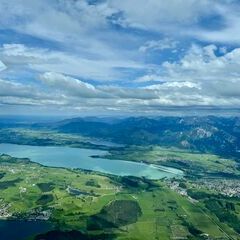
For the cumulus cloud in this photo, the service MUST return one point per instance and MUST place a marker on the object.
(172, 93)
(203, 76)
(72, 86)
(204, 64)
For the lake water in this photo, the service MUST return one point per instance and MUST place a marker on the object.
(81, 158)
(21, 230)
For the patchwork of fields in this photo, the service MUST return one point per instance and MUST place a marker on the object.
(31, 191)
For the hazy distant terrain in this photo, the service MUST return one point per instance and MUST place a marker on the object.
(219, 135)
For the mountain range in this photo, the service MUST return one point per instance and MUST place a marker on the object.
(217, 135)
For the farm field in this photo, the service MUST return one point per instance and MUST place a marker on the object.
(193, 162)
(93, 204)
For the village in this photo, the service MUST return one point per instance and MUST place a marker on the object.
(226, 187)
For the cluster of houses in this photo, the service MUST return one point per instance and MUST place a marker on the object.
(227, 187)
(4, 207)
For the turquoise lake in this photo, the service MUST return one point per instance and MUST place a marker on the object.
(67, 157)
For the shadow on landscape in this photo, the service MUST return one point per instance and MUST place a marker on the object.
(72, 235)
(116, 214)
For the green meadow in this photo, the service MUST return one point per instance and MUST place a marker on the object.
(192, 162)
(77, 200)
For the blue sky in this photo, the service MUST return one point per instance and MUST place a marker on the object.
(115, 57)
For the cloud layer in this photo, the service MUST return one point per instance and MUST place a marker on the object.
(119, 56)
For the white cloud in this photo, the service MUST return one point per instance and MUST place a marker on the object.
(200, 77)
(13, 93)
(183, 18)
(178, 93)
(17, 90)
(202, 67)
(87, 46)
(74, 21)
(159, 45)
(203, 64)
(157, 15)
(176, 85)
(72, 86)
(42, 60)
(229, 32)
(76, 25)
(148, 78)
(2, 66)
(66, 94)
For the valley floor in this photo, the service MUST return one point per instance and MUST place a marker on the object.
(115, 207)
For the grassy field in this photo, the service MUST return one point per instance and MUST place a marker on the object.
(25, 136)
(31, 189)
(192, 162)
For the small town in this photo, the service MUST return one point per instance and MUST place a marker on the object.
(4, 207)
(227, 187)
